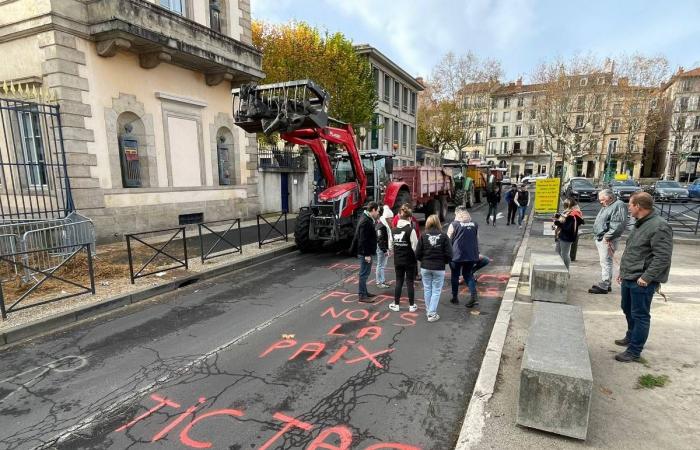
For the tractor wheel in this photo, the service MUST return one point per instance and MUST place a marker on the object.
(301, 233)
(443, 208)
(403, 197)
(459, 197)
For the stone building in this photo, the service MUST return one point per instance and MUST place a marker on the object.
(144, 89)
(397, 93)
(680, 143)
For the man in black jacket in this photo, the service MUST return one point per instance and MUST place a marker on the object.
(365, 243)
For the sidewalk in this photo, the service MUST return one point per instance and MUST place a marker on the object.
(622, 415)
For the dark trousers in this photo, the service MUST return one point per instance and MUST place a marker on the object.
(365, 270)
(636, 304)
(407, 273)
(493, 210)
(466, 269)
(512, 209)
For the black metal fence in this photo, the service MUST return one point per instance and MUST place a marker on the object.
(270, 157)
(153, 258)
(273, 229)
(683, 217)
(17, 262)
(35, 184)
(226, 235)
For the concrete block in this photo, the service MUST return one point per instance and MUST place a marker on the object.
(556, 383)
(544, 258)
(550, 283)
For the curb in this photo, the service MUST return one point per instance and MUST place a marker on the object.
(474, 419)
(67, 318)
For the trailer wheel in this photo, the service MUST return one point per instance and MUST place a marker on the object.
(403, 197)
(301, 233)
(443, 208)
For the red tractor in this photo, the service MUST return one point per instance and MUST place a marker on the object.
(298, 110)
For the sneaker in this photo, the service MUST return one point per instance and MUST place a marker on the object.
(520, 226)
(434, 318)
(365, 299)
(454, 301)
(622, 342)
(383, 286)
(597, 290)
(413, 308)
(472, 302)
(394, 307)
(626, 357)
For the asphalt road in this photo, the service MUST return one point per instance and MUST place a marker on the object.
(279, 356)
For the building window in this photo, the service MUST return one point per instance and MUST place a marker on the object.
(375, 75)
(521, 101)
(516, 148)
(413, 140)
(404, 105)
(680, 123)
(583, 82)
(530, 149)
(684, 103)
(33, 148)
(387, 88)
(581, 102)
(695, 144)
(531, 130)
(494, 102)
(598, 102)
(506, 102)
(504, 147)
(397, 93)
(518, 130)
(612, 146)
(697, 123)
(519, 115)
(492, 148)
(533, 114)
(686, 85)
(504, 131)
(615, 126)
(601, 80)
(506, 116)
(413, 103)
(579, 121)
(374, 139)
(404, 136)
(395, 135)
(477, 138)
(596, 121)
(175, 6)
(492, 132)
(387, 129)
(215, 15)
(224, 148)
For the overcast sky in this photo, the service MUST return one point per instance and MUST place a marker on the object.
(520, 33)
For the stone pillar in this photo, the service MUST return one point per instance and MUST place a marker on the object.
(245, 22)
(61, 73)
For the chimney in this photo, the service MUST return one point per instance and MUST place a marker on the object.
(680, 70)
(519, 83)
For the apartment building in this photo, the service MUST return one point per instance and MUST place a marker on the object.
(144, 90)
(680, 144)
(394, 123)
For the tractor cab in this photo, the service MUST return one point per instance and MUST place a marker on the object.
(377, 165)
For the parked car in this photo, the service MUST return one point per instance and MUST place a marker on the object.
(580, 189)
(506, 181)
(624, 189)
(669, 191)
(532, 178)
(694, 189)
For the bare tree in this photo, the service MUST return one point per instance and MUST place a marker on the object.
(452, 109)
(635, 105)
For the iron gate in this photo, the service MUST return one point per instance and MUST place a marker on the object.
(33, 177)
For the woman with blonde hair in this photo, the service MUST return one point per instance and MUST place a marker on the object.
(404, 242)
(434, 251)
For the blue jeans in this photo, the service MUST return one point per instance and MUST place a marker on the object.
(521, 214)
(433, 280)
(483, 262)
(365, 270)
(382, 258)
(636, 304)
(466, 269)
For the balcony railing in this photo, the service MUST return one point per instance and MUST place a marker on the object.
(274, 159)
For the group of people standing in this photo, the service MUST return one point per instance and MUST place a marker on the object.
(517, 198)
(645, 263)
(381, 235)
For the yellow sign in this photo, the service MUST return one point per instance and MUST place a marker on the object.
(621, 176)
(547, 195)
